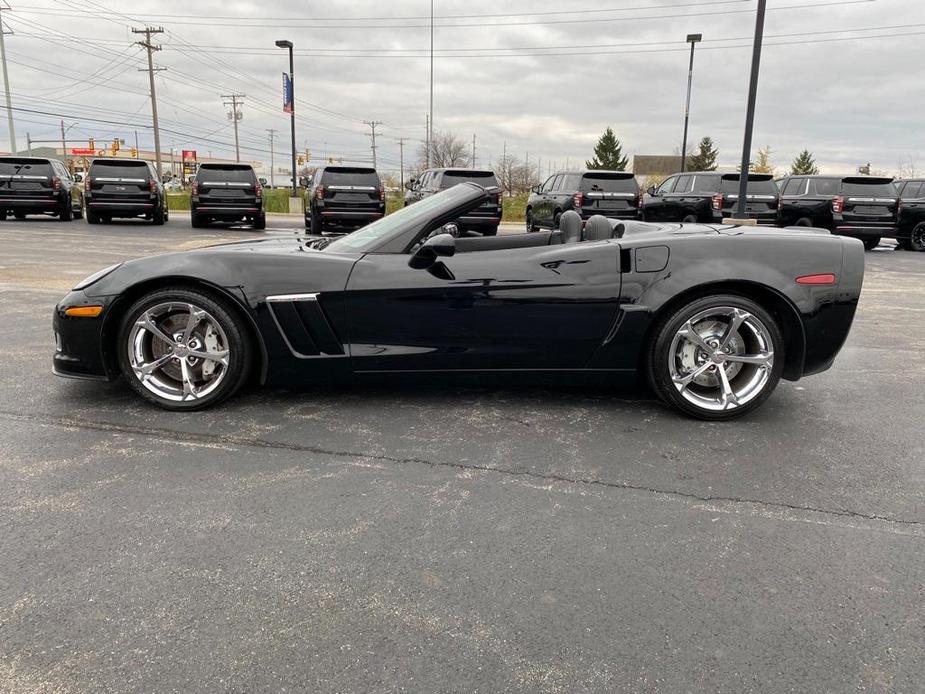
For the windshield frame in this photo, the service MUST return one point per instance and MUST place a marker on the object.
(399, 231)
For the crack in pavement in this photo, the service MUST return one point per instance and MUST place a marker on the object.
(243, 441)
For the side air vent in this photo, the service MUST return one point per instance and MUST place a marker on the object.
(301, 320)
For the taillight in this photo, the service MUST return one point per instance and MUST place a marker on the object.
(319, 192)
(838, 204)
(824, 278)
(56, 183)
(381, 193)
(499, 197)
(578, 199)
(195, 188)
(258, 189)
(718, 201)
(87, 184)
(152, 185)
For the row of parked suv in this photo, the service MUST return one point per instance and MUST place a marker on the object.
(866, 207)
(125, 188)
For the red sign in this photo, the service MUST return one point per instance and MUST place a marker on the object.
(82, 152)
(189, 155)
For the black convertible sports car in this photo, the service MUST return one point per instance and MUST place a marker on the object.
(713, 316)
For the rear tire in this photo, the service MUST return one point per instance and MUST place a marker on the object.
(317, 224)
(196, 221)
(171, 385)
(531, 225)
(803, 222)
(158, 218)
(66, 213)
(92, 217)
(556, 219)
(871, 243)
(716, 384)
(689, 219)
(917, 239)
(2, 215)
(490, 231)
(260, 222)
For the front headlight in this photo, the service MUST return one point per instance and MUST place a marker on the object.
(95, 277)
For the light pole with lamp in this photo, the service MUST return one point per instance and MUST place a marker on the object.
(693, 40)
(291, 108)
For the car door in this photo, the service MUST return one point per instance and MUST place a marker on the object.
(678, 203)
(542, 307)
(654, 205)
(539, 202)
(549, 201)
(792, 200)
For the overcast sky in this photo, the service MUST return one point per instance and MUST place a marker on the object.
(825, 84)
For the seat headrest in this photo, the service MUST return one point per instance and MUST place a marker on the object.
(570, 225)
(597, 228)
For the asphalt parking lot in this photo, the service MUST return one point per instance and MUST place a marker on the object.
(419, 539)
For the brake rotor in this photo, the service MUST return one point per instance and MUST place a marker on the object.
(693, 357)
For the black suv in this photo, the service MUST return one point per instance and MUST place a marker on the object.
(38, 186)
(910, 232)
(484, 219)
(343, 198)
(124, 188)
(709, 197)
(613, 194)
(860, 206)
(227, 193)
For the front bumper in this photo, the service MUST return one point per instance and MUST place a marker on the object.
(79, 342)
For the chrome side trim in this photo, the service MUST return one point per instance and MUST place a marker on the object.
(292, 297)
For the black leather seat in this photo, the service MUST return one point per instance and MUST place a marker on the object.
(570, 226)
(597, 228)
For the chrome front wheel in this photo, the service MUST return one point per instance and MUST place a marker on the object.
(183, 350)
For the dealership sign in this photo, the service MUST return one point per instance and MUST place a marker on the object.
(82, 152)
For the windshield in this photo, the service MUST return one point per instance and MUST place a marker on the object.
(240, 174)
(608, 183)
(374, 234)
(24, 167)
(350, 177)
(876, 190)
(486, 179)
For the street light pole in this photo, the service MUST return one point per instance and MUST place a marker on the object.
(693, 40)
(288, 44)
(750, 111)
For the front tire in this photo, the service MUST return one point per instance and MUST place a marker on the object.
(717, 357)
(183, 349)
(531, 225)
(871, 243)
(917, 239)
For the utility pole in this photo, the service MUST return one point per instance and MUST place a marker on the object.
(401, 160)
(272, 133)
(373, 124)
(64, 148)
(427, 144)
(430, 116)
(235, 116)
(151, 48)
(6, 81)
(741, 209)
(473, 150)
(505, 169)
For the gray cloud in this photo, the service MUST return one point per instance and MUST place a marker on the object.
(849, 101)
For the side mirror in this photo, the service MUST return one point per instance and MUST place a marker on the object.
(409, 184)
(537, 189)
(78, 178)
(651, 191)
(304, 181)
(441, 245)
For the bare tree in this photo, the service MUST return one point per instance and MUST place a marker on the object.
(515, 176)
(908, 166)
(446, 150)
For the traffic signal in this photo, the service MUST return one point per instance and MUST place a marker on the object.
(114, 147)
(91, 144)
(134, 152)
(300, 159)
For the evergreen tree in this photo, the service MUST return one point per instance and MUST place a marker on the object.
(705, 157)
(608, 153)
(804, 164)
